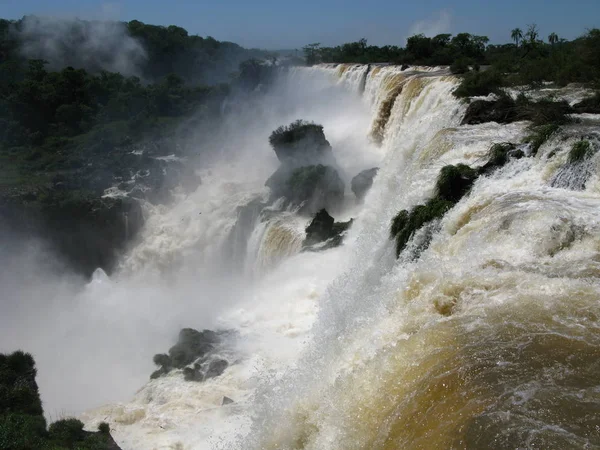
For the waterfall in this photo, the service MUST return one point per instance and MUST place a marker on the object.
(487, 338)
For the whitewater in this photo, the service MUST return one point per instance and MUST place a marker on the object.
(489, 338)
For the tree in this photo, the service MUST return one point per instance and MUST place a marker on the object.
(553, 38)
(311, 53)
(516, 35)
(532, 33)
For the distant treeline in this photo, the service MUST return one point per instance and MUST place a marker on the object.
(73, 92)
(529, 57)
(133, 48)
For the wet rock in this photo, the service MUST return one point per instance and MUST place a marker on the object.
(191, 345)
(589, 105)
(86, 231)
(226, 401)
(193, 373)
(362, 182)
(216, 368)
(311, 187)
(502, 110)
(323, 228)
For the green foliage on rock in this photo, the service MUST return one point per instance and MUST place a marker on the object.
(479, 83)
(454, 182)
(540, 135)
(580, 151)
(406, 223)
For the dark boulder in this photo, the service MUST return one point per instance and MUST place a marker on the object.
(590, 105)
(192, 345)
(506, 110)
(199, 348)
(502, 110)
(362, 182)
(226, 401)
(216, 368)
(193, 373)
(324, 229)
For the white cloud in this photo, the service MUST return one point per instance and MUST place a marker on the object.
(437, 23)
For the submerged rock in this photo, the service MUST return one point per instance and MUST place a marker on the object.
(324, 229)
(362, 182)
(226, 401)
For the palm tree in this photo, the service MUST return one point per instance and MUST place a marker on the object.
(516, 35)
(553, 38)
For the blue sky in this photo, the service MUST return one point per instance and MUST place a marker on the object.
(274, 24)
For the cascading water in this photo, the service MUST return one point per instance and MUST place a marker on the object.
(489, 338)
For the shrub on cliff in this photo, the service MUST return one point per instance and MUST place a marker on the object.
(66, 432)
(479, 83)
(452, 184)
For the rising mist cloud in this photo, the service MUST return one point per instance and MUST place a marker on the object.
(93, 45)
(437, 23)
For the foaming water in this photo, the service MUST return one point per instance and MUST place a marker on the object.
(487, 339)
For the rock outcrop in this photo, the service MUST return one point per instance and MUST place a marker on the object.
(307, 177)
(196, 353)
(362, 182)
(301, 143)
(324, 232)
(86, 231)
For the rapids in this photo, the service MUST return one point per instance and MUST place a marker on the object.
(489, 339)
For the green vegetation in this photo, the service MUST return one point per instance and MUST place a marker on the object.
(540, 135)
(22, 423)
(479, 83)
(452, 184)
(294, 132)
(55, 119)
(442, 49)
(527, 61)
(406, 223)
(580, 151)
